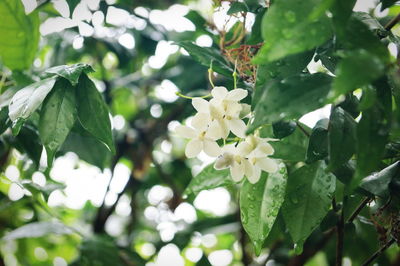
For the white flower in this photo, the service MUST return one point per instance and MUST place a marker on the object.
(225, 107)
(203, 135)
(238, 164)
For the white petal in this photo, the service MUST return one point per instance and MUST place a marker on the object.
(201, 105)
(248, 168)
(244, 148)
(236, 94)
(223, 161)
(216, 109)
(201, 121)
(211, 148)
(237, 171)
(219, 92)
(255, 176)
(246, 109)
(214, 131)
(230, 148)
(266, 148)
(238, 127)
(185, 132)
(267, 164)
(233, 109)
(193, 148)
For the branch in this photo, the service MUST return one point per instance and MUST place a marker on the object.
(358, 209)
(392, 23)
(379, 252)
(302, 129)
(340, 239)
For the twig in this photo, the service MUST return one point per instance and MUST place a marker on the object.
(379, 252)
(392, 22)
(358, 209)
(302, 129)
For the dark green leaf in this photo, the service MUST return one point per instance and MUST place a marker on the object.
(93, 112)
(207, 56)
(351, 105)
(283, 129)
(372, 134)
(260, 204)
(237, 7)
(342, 137)
(286, 24)
(293, 147)
(38, 229)
(99, 251)
(308, 198)
(19, 35)
(387, 3)
(255, 36)
(209, 178)
(291, 98)
(378, 183)
(318, 144)
(28, 141)
(88, 149)
(58, 115)
(348, 74)
(28, 99)
(341, 12)
(3, 120)
(71, 73)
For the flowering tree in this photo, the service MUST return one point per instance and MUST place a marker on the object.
(118, 126)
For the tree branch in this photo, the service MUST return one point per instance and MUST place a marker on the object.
(379, 252)
(392, 22)
(358, 209)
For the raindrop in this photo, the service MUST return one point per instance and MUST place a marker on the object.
(290, 16)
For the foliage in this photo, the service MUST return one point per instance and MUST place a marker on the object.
(93, 172)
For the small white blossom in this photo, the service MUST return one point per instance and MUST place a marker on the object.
(201, 137)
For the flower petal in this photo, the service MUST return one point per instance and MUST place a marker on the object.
(248, 168)
(236, 94)
(201, 121)
(193, 148)
(267, 164)
(244, 148)
(223, 161)
(185, 132)
(201, 105)
(238, 127)
(219, 92)
(237, 171)
(255, 176)
(214, 131)
(246, 109)
(233, 109)
(211, 148)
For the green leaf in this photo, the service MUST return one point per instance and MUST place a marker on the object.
(342, 138)
(341, 12)
(209, 178)
(28, 141)
(291, 148)
(93, 112)
(387, 3)
(88, 149)
(19, 35)
(58, 115)
(308, 199)
(348, 74)
(38, 229)
(3, 120)
(99, 251)
(237, 7)
(7, 95)
(283, 129)
(372, 134)
(71, 73)
(291, 98)
(260, 204)
(207, 56)
(28, 99)
(318, 144)
(378, 183)
(286, 24)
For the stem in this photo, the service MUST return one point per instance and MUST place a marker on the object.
(340, 239)
(392, 23)
(302, 129)
(210, 72)
(379, 252)
(190, 98)
(358, 209)
(234, 75)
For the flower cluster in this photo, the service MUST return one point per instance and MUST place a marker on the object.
(215, 120)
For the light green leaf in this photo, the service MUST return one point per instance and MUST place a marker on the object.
(308, 198)
(19, 35)
(38, 229)
(72, 73)
(93, 112)
(291, 27)
(58, 115)
(209, 178)
(342, 138)
(291, 98)
(260, 204)
(28, 99)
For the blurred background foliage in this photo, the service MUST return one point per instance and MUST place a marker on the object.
(95, 208)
